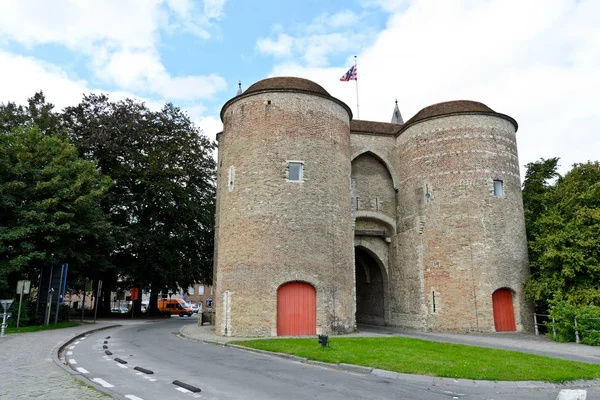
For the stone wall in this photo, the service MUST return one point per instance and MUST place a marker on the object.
(462, 240)
(272, 230)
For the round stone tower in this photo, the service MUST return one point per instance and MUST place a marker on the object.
(462, 248)
(284, 242)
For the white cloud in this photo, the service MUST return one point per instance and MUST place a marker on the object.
(317, 41)
(214, 8)
(58, 87)
(536, 61)
(280, 47)
(62, 90)
(143, 72)
(120, 38)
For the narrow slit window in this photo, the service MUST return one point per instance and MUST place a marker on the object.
(231, 177)
(295, 171)
(433, 300)
(498, 188)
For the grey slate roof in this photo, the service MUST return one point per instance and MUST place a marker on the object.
(396, 116)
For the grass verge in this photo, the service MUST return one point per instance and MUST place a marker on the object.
(36, 328)
(422, 357)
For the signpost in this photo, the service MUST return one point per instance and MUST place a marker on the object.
(23, 287)
(6, 305)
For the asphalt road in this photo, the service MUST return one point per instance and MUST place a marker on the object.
(228, 373)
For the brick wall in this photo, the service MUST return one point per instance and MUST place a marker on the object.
(271, 231)
(463, 241)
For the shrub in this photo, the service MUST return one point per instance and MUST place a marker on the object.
(588, 323)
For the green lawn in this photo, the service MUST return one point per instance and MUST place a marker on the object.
(415, 356)
(35, 328)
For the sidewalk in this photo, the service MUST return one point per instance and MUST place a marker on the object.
(29, 369)
(516, 341)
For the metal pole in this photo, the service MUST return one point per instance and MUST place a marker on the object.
(356, 72)
(576, 332)
(3, 320)
(97, 298)
(537, 331)
(49, 307)
(20, 301)
(37, 301)
(60, 283)
(48, 299)
(83, 302)
(553, 327)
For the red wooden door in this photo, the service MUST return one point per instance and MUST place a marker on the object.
(296, 309)
(504, 316)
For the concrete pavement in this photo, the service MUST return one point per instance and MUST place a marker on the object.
(29, 369)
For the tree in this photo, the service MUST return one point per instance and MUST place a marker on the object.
(37, 113)
(49, 205)
(565, 237)
(163, 199)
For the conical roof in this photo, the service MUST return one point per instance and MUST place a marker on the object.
(396, 116)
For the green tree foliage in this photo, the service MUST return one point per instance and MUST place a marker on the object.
(37, 113)
(49, 204)
(162, 200)
(564, 233)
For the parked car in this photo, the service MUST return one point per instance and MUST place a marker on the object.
(196, 308)
(119, 310)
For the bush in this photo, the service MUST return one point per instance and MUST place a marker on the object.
(26, 315)
(588, 323)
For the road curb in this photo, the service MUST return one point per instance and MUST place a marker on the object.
(57, 350)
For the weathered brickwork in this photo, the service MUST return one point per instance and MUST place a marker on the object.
(272, 230)
(391, 224)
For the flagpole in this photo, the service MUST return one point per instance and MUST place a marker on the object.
(357, 109)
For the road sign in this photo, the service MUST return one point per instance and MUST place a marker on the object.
(23, 287)
(134, 293)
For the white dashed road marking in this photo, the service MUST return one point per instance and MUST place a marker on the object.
(83, 338)
(103, 382)
(71, 348)
(568, 394)
(77, 342)
(72, 361)
(82, 370)
(132, 397)
(106, 358)
(69, 353)
(182, 390)
(122, 366)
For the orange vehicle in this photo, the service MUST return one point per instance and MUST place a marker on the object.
(175, 307)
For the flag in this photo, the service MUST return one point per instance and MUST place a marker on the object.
(350, 75)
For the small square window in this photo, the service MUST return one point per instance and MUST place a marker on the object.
(294, 171)
(498, 188)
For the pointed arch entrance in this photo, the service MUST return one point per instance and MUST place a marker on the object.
(296, 309)
(371, 284)
(504, 315)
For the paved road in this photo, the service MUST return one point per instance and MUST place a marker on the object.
(228, 373)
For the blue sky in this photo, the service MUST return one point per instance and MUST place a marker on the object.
(538, 61)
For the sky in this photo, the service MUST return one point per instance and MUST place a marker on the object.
(535, 60)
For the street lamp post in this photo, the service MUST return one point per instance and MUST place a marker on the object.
(6, 305)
